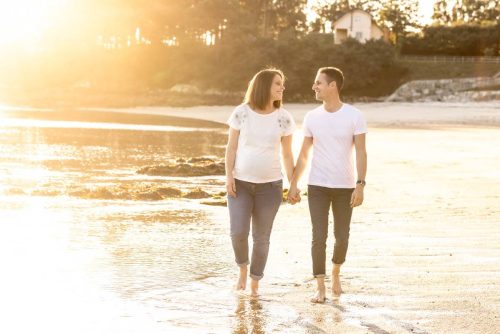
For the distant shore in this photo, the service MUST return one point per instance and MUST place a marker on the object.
(381, 114)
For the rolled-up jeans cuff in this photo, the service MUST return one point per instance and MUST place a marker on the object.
(255, 277)
(246, 263)
(319, 276)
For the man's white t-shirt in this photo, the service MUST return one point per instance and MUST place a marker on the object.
(333, 145)
(258, 153)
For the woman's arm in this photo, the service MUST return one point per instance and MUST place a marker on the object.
(232, 146)
(286, 152)
(294, 192)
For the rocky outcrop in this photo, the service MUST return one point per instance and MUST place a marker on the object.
(448, 90)
(193, 167)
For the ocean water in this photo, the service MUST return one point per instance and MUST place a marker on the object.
(82, 254)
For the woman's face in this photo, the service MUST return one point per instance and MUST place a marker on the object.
(277, 88)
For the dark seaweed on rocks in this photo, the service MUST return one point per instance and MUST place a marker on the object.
(200, 166)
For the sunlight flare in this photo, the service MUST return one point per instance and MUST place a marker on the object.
(23, 22)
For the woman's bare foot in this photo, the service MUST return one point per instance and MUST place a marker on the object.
(241, 284)
(254, 288)
(320, 295)
(336, 286)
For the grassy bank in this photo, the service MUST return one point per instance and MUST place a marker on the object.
(428, 70)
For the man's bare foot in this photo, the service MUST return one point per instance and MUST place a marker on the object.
(320, 295)
(336, 287)
(254, 288)
(241, 284)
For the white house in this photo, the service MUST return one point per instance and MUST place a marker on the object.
(358, 24)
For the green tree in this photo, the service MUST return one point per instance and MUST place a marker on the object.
(440, 14)
(466, 11)
(400, 16)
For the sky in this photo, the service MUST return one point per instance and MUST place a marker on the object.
(426, 9)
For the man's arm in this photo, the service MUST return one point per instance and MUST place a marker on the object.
(361, 166)
(294, 193)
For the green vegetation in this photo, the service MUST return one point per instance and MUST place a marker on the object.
(457, 40)
(428, 70)
(135, 52)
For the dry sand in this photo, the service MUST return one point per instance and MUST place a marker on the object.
(425, 247)
(377, 114)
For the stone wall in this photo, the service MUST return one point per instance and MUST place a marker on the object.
(447, 90)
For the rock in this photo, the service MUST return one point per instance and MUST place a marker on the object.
(446, 90)
(45, 192)
(168, 192)
(215, 203)
(149, 196)
(15, 191)
(200, 167)
(201, 159)
(101, 193)
(196, 194)
(184, 88)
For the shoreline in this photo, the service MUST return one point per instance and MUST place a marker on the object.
(423, 253)
(378, 114)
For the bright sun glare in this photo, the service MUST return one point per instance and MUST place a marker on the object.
(22, 22)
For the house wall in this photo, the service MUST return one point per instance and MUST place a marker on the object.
(359, 27)
(376, 33)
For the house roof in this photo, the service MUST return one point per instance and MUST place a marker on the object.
(362, 11)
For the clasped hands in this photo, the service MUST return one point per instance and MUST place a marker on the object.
(293, 196)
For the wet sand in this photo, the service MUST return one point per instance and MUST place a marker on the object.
(423, 254)
(424, 248)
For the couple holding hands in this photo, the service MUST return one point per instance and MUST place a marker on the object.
(259, 129)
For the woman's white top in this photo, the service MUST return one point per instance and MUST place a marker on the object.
(258, 153)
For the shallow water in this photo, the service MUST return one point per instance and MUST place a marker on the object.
(117, 265)
(423, 253)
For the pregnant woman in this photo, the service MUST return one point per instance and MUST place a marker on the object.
(258, 129)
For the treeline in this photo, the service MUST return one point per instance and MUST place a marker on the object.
(217, 45)
(459, 40)
(371, 69)
(460, 28)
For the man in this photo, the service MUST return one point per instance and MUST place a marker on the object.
(333, 130)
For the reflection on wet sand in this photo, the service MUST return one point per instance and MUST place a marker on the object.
(166, 266)
(250, 316)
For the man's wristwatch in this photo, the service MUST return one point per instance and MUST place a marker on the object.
(362, 182)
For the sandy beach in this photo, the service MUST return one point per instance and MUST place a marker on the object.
(423, 255)
(383, 114)
(424, 247)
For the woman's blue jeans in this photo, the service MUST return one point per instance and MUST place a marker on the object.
(257, 203)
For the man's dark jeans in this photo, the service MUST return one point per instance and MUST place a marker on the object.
(320, 199)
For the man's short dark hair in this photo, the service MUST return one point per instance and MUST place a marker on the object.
(333, 74)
